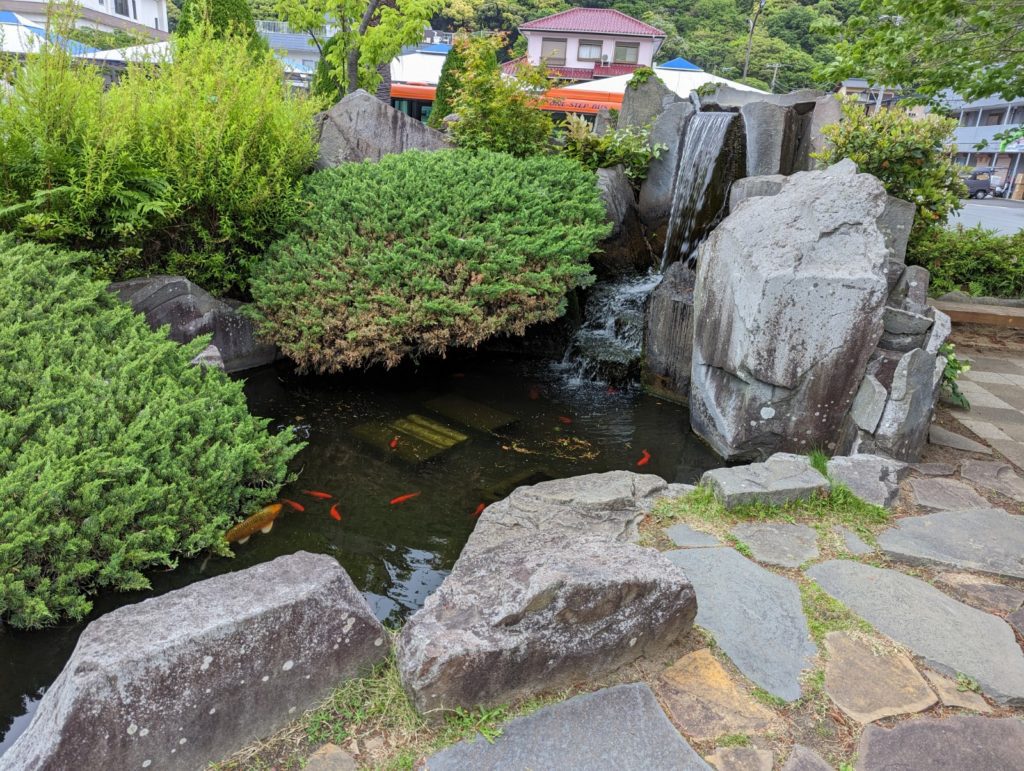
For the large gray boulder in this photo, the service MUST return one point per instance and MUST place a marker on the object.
(772, 139)
(788, 308)
(539, 613)
(190, 311)
(189, 677)
(361, 127)
(610, 505)
(655, 199)
(668, 334)
(625, 249)
(643, 103)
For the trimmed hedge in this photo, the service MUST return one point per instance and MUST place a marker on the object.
(116, 455)
(421, 252)
(973, 260)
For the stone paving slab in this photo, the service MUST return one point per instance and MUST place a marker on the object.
(934, 469)
(945, 495)
(951, 695)
(985, 540)
(1016, 620)
(621, 727)
(853, 542)
(705, 702)
(872, 478)
(869, 686)
(950, 636)
(996, 476)
(779, 543)
(742, 759)
(685, 537)
(331, 757)
(960, 743)
(946, 438)
(756, 617)
(805, 759)
(783, 478)
(980, 593)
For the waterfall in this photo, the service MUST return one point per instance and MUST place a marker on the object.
(697, 205)
(607, 347)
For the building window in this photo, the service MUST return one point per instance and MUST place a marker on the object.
(135, 11)
(121, 7)
(627, 53)
(590, 51)
(552, 50)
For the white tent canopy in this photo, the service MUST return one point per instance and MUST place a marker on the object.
(680, 81)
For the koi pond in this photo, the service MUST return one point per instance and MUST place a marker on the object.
(408, 458)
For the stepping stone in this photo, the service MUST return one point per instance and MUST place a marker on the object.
(621, 727)
(934, 469)
(782, 478)
(980, 593)
(469, 413)
(805, 759)
(742, 759)
(871, 478)
(945, 495)
(779, 543)
(1016, 620)
(985, 540)
(868, 686)
(755, 616)
(950, 636)
(951, 695)
(994, 475)
(331, 757)
(685, 537)
(961, 743)
(945, 438)
(853, 542)
(705, 702)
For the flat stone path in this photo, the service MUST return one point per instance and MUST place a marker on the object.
(951, 636)
(994, 476)
(945, 494)
(778, 543)
(755, 616)
(961, 743)
(995, 388)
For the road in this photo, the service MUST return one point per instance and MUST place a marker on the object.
(995, 213)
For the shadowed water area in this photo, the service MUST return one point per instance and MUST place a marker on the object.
(468, 433)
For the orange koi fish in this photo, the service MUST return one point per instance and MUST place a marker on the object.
(645, 458)
(322, 496)
(479, 509)
(393, 444)
(262, 521)
(563, 419)
(404, 498)
(335, 514)
(293, 505)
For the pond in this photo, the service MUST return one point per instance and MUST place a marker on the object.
(453, 435)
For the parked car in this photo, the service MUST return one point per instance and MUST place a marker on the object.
(979, 182)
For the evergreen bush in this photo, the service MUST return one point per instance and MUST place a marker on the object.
(225, 17)
(116, 455)
(973, 260)
(424, 251)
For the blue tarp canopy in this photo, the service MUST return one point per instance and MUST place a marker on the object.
(679, 63)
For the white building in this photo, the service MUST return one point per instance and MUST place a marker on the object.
(144, 16)
(979, 124)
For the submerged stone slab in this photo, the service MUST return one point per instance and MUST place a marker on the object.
(540, 613)
(945, 495)
(951, 696)
(742, 759)
(981, 593)
(611, 505)
(872, 478)
(755, 616)
(996, 476)
(621, 727)
(470, 413)
(951, 744)
(946, 438)
(779, 543)
(685, 537)
(805, 759)
(950, 636)
(985, 540)
(706, 703)
(783, 478)
(868, 686)
(187, 678)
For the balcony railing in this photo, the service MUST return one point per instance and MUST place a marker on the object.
(967, 137)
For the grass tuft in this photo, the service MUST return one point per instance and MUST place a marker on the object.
(733, 740)
(819, 460)
(826, 614)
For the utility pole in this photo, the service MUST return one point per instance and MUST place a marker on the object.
(751, 23)
(775, 75)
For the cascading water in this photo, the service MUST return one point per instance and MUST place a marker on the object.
(697, 205)
(607, 347)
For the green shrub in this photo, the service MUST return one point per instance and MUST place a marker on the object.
(225, 17)
(629, 146)
(640, 76)
(913, 157)
(325, 83)
(424, 251)
(116, 455)
(200, 156)
(449, 83)
(972, 260)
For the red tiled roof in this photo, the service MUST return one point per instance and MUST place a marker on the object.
(595, 21)
(574, 73)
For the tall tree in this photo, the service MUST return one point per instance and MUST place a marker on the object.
(224, 16)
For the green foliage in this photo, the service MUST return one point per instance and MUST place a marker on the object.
(640, 76)
(225, 17)
(979, 262)
(325, 83)
(116, 455)
(200, 156)
(912, 157)
(926, 46)
(629, 146)
(952, 372)
(826, 614)
(819, 460)
(105, 41)
(499, 113)
(449, 83)
(424, 251)
(733, 740)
